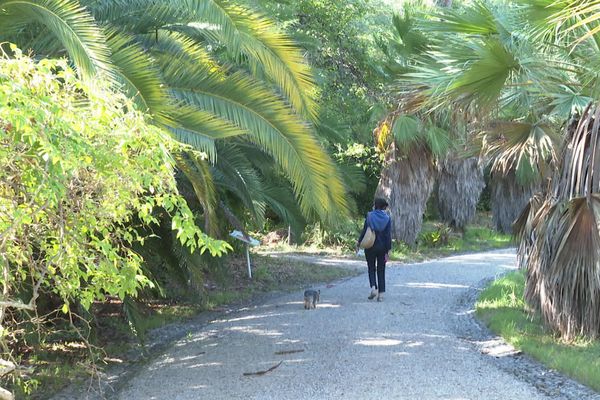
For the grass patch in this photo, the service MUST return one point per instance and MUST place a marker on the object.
(271, 273)
(502, 308)
(437, 241)
(54, 368)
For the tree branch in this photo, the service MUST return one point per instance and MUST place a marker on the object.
(17, 304)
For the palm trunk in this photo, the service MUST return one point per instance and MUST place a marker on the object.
(460, 182)
(406, 182)
(509, 198)
(561, 242)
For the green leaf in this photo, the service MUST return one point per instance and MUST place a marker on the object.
(485, 78)
(406, 130)
(438, 141)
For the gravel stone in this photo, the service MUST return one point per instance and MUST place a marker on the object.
(421, 342)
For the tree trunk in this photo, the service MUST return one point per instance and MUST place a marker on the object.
(460, 182)
(406, 182)
(509, 198)
(561, 244)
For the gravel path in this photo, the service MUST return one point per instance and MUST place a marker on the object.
(420, 343)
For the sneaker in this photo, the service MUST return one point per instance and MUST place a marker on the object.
(374, 293)
(380, 297)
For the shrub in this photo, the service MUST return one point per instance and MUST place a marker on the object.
(78, 165)
(436, 238)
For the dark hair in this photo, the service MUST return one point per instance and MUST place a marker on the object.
(380, 204)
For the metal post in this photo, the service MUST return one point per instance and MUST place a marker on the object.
(248, 258)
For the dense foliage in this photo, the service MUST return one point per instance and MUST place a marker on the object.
(238, 81)
(80, 171)
(340, 40)
(521, 75)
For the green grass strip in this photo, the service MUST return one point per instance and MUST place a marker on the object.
(502, 308)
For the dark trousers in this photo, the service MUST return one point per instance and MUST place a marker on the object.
(376, 263)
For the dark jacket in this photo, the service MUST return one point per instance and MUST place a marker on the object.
(381, 224)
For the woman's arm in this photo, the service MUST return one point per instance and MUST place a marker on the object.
(388, 236)
(362, 234)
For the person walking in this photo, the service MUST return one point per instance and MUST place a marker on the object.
(377, 255)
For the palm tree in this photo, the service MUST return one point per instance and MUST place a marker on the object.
(253, 83)
(560, 236)
(415, 141)
(523, 71)
(406, 181)
(460, 183)
(520, 154)
(407, 178)
(465, 69)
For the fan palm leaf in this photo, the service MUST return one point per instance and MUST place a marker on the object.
(478, 19)
(526, 148)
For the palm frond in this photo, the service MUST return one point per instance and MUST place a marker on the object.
(267, 49)
(406, 131)
(270, 124)
(526, 148)
(580, 159)
(438, 140)
(139, 77)
(136, 16)
(476, 19)
(235, 174)
(280, 199)
(483, 80)
(198, 172)
(281, 60)
(580, 16)
(198, 141)
(354, 178)
(71, 24)
(564, 265)
(410, 39)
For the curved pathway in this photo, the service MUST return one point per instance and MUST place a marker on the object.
(411, 346)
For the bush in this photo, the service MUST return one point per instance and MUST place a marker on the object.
(436, 238)
(344, 235)
(78, 164)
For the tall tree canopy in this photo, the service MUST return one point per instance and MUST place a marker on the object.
(206, 71)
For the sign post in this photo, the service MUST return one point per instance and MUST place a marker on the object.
(249, 242)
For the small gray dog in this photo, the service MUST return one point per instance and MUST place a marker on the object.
(311, 298)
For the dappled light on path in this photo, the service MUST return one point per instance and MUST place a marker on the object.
(431, 285)
(378, 342)
(348, 347)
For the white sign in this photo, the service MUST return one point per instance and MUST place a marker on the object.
(249, 242)
(246, 239)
